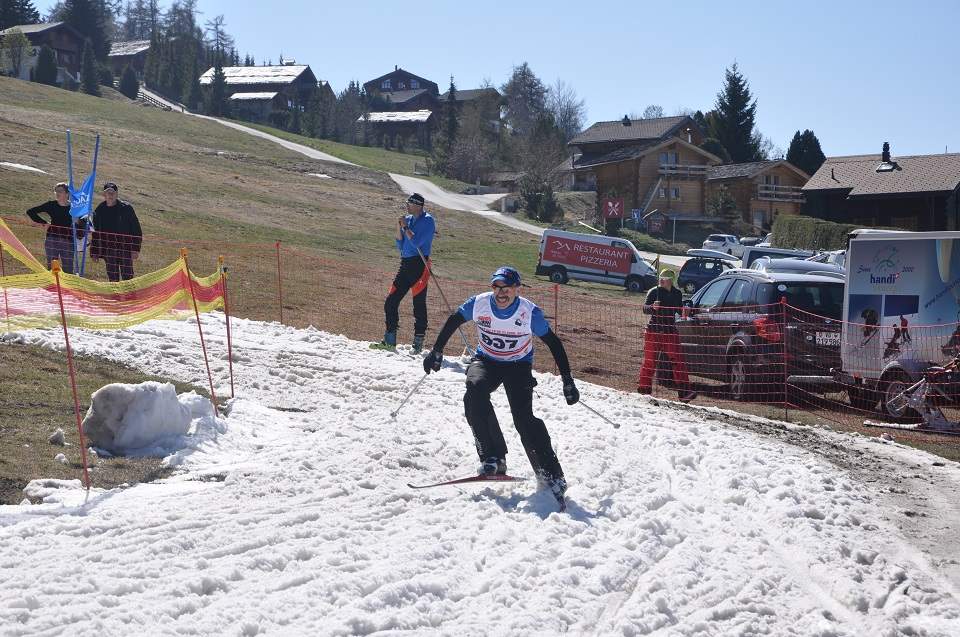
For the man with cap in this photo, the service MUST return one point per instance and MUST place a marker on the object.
(414, 237)
(59, 240)
(663, 303)
(506, 323)
(117, 236)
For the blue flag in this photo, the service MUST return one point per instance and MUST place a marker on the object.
(81, 199)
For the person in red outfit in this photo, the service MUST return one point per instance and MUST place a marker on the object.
(663, 303)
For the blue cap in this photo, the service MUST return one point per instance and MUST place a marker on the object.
(506, 274)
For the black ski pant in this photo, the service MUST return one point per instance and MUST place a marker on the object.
(411, 277)
(483, 378)
(119, 265)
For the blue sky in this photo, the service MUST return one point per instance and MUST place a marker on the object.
(856, 73)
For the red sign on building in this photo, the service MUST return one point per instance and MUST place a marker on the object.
(613, 208)
(583, 254)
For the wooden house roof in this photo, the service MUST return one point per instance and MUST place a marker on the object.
(637, 130)
(910, 174)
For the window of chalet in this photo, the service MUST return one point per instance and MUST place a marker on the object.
(662, 193)
(387, 84)
(675, 193)
(667, 159)
(414, 84)
(401, 85)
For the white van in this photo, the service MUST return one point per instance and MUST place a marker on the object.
(590, 257)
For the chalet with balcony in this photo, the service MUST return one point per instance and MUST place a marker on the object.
(67, 45)
(652, 163)
(401, 90)
(914, 192)
(398, 129)
(762, 190)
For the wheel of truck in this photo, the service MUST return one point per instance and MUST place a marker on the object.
(634, 284)
(892, 383)
(559, 274)
(862, 398)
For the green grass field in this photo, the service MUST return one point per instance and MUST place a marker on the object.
(375, 158)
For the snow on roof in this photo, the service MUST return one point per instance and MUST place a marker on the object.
(253, 96)
(132, 47)
(398, 116)
(257, 74)
(32, 28)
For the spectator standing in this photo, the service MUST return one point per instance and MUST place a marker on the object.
(117, 236)
(662, 304)
(59, 240)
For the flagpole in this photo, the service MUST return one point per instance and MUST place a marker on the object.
(86, 229)
(73, 227)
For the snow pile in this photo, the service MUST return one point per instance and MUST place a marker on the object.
(24, 167)
(298, 520)
(148, 418)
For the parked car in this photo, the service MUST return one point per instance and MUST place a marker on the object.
(735, 332)
(750, 241)
(835, 257)
(801, 266)
(591, 257)
(703, 266)
(767, 241)
(752, 254)
(724, 243)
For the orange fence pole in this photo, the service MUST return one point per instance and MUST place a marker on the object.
(6, 305)
(55, 268)
(279, 283)
(783, 330)
(226, 311)
(203, 344)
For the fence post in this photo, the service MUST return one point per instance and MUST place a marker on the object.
(783, 332)
(6, 305)
(55, 268)
(203, 344)
(279, 282)
(556, 305)
(226, 311)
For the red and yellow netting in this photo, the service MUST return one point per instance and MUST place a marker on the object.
(30, 300)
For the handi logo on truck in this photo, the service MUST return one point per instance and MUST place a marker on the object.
(589, 255)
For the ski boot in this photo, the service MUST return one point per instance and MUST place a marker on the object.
(493, 466)
(558, 487)
(418, 343)
(388, 343)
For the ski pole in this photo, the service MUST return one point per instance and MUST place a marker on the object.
(466, 344)
(393, 414)
(616, 425)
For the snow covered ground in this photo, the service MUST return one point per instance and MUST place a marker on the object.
(291, 515)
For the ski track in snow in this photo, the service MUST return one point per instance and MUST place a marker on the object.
(293, 517)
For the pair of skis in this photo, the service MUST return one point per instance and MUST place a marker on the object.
(501, 477)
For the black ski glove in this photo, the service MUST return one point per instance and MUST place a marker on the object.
(570, 391)
(432, 361)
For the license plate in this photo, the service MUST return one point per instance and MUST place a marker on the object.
(828, 339)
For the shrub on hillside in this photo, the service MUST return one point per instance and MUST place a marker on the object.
(538, 199)
(129, 85)
(46, 70)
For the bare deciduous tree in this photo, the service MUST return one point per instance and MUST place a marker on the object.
(569, 110)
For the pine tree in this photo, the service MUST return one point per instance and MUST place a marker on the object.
(17, 12)
(526, 99)
(733, 125)
(217, 103)
(46, 69)
(805, 152)
(90, 18)
(129, 85)
(90, 80)
(453, 117)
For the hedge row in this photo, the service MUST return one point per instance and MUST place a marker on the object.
(807, 233)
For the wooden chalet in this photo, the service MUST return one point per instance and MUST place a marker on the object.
(762, 190)
(295, 82)
(67, 45)
(650, 163)
(401, 90)
(915, 192)
(132, 53)
(398, 129)
(258, 107)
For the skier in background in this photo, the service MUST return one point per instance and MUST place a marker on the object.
(506, 323)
